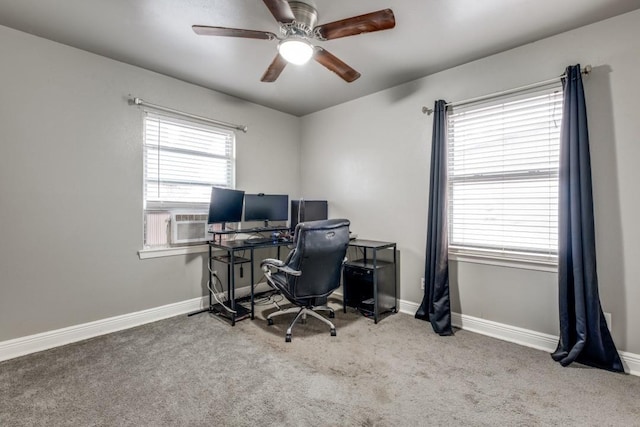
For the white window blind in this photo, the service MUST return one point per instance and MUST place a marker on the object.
(183, 160)
(503, 160)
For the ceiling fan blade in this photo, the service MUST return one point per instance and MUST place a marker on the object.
(280, 10)
(334, 64)
(274, 70)
(370, 22)
(204, 30)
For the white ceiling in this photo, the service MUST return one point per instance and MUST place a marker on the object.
(430, 36)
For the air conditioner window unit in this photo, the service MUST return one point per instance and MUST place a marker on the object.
(189, 227)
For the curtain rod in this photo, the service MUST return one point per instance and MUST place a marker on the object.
(140, 101)
(428, 111)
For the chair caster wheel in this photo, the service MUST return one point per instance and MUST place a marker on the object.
(332, 314)
(287, 338)
(269, 322)
(333, 332)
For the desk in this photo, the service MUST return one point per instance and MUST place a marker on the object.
(369, 284)
(231, 260)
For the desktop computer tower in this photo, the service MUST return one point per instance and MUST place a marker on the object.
(358, 287)
(308, 210)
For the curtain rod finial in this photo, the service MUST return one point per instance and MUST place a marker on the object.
(427, 111)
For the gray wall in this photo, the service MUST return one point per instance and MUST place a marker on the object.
(379, 149)
(71, 179)
(71, 183)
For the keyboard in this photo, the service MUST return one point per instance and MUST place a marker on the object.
(263, 240)
(264, 229)
(260, 241)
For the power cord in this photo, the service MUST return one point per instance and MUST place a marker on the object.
(214, 292)
(269, 299)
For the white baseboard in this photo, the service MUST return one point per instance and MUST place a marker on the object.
(408, 307)
(631, 362)
(45, 340)
(514, 334)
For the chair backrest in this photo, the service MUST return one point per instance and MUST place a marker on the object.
(320, 250)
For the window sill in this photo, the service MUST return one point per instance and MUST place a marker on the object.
(544, 264)
(164, 252)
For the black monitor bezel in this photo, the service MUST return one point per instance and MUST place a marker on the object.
(232, 205)
(275, 213)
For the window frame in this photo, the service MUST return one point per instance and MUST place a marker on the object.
(545, 260)
(167, 206)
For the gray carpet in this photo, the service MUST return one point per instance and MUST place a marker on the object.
(201, 371)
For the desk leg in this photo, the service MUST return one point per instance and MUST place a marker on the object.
(251, 286)
(376, 309)
(210, 279)
(395, 279)
(344, 293)
(231, 290)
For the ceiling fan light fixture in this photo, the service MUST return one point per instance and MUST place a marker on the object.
(295, 50)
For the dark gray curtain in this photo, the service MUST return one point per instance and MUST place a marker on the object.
(435, 305)
(584, 336)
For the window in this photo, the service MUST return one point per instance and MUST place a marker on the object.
(503, 158)
(183, 159)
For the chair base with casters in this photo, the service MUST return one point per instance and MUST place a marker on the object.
(311, 272)
(302, 312)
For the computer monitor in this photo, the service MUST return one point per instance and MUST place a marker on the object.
(307, 210)
(225, 205)
(266, 207)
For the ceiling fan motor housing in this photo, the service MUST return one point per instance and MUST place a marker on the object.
(306, 19)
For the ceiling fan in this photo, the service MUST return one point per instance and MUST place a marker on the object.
(297, 22)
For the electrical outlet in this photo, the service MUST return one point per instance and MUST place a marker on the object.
(607, 318)
(422, 283)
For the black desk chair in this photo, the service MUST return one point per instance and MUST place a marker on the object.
(311, 271)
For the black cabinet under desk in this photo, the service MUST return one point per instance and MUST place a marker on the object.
(369, 283)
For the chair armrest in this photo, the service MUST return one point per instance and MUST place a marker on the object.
(278, 265)
(290, 271)
(272, 262)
